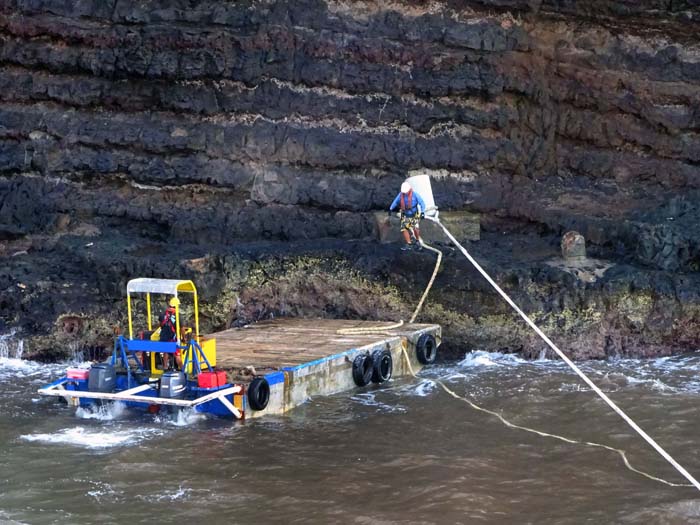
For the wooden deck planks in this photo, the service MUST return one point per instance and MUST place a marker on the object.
(289, 342)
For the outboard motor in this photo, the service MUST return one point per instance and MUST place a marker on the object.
(102, 378)
(172, 384)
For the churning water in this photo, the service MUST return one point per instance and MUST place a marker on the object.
(405, 452)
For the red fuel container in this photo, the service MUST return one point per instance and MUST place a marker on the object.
(211, 379)
(78, 373)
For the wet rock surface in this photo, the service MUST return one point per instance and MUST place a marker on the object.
(215, 139)
(67, 293)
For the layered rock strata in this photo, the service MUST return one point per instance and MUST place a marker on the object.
(201, 127)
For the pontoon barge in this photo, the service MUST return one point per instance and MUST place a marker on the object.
(268, 367)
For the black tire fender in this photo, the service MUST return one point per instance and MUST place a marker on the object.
(258, 393)
(426, 349)
(362, 369)
(382, 366)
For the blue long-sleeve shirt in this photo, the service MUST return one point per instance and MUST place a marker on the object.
(416, 201)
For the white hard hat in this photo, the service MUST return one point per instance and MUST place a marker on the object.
(405, 187)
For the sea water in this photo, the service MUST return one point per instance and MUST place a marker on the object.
(402, 452)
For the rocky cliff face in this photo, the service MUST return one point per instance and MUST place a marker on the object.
(194, 129)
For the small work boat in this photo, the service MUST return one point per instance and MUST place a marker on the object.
(264, 368)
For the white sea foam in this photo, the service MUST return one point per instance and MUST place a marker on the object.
(93, 439)
(424, 388)
(481, 358)
(478, 358)
(12, 368)
(186, 417)
(655, 384)
(180, 417)
(674, 374)
(102, 491)
(574, 387)
(180, 494)
(105, 412)
(13, 364)
(370, 399)
(664, 375)
(6, 519)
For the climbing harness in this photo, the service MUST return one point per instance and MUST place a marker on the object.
(575, 368)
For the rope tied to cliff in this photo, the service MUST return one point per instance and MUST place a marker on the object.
(576, 369)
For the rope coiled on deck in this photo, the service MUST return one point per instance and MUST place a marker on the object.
(419, 306)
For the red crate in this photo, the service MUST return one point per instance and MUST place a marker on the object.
(211, 379)
(77, 373)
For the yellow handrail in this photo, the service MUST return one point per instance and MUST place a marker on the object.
(196, 316)
(148, 311)
(177, 323)
(128, 309)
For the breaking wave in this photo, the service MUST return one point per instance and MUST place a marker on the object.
(663, 375)
(104, 412)
(182, 417)
(480, 358)
(12, 368)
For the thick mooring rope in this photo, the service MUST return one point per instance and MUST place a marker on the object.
(576, 369)
(379, 329)
(432, 279)
(507, 423)
(622, 453)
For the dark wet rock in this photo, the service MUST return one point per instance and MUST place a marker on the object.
(626, 312)
(11, 231)
(262, 135)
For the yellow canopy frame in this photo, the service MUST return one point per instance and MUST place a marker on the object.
(161, 286)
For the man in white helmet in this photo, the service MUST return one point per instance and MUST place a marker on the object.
(412, 210)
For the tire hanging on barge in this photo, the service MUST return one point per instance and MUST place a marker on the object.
(382, 366)
(362, 369)
(426, 349)
(258, 393)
